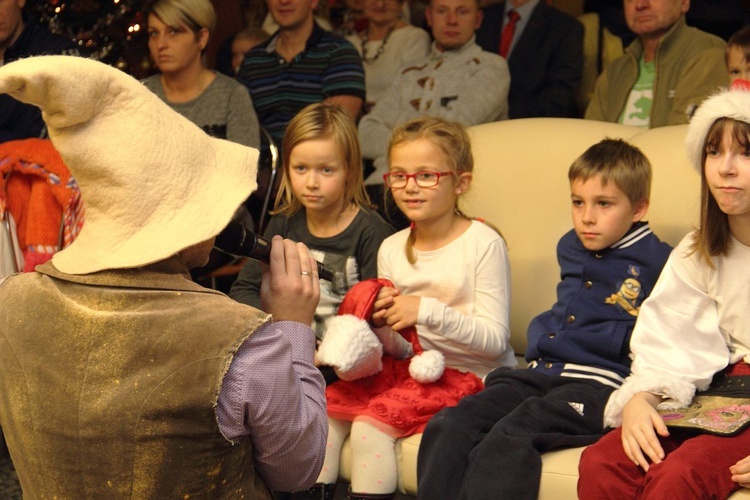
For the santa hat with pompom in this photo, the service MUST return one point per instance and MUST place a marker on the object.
(355, 351)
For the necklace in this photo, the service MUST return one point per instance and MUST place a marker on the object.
(366, 38)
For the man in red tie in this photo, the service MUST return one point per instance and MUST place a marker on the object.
(544, 49)
(506, 39)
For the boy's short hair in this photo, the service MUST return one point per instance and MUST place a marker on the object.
(740, 39)
(617, 161)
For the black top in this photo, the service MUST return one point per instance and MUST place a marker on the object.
(19, 120)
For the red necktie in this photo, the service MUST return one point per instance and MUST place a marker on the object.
(507, 36)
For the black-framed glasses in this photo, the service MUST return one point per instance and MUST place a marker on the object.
(424, 179)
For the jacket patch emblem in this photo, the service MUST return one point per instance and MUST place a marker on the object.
(626, 297)
(578, 407)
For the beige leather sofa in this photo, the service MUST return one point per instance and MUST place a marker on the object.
(521, 185)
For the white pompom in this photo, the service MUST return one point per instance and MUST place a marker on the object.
(351, 348)
(427, 367)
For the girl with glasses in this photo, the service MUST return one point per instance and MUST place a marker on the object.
(452, 283)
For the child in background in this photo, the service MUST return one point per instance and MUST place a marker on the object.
(694, 326)
(738, 55)
(452, 282)
(489, 445)
(323, 204)
(242, 42)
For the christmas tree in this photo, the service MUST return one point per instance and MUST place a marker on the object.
(111, 31)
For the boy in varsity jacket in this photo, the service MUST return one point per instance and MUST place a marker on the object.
(490, 445)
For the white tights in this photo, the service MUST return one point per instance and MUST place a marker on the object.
(374, 467)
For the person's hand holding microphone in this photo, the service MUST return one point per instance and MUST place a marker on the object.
(290, 288)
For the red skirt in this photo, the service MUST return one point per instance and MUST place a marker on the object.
(393, 398)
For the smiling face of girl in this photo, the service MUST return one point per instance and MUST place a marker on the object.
(422, 204)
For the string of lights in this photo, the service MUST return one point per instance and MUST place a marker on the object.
(111, 31)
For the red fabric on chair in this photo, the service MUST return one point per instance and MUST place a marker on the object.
(38, 189)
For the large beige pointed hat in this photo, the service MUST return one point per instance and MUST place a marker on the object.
(153, 183)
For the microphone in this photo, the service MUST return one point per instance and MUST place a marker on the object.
(236, 239)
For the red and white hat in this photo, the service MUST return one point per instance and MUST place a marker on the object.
(353, 349)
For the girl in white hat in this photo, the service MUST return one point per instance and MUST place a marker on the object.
(693, 332)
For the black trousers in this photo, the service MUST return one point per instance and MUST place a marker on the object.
(489, 446)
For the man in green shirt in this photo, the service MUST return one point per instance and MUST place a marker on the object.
(664, 74)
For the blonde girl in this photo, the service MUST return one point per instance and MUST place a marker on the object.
(451, 282)
(322, 203)
(693, 329)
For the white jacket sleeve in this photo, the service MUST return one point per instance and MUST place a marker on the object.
(393, 343)
(677, 345)
(416, 48)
